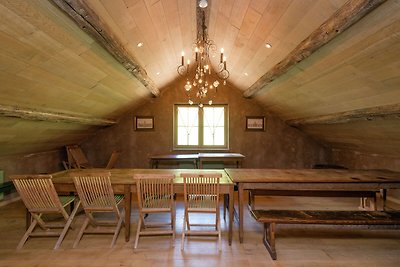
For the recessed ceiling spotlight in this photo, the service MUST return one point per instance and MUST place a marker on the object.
(203, 3)
(158, 73)
(246, 74)
(140, 44)
(268, 45)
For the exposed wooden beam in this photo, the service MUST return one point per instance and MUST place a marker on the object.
(89, 22)
(382, 112)
(42, 115)
(351, 12)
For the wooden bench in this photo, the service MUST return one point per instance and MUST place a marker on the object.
(272, 217)
(368, 199)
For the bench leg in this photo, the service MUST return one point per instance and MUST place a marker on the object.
(251, 199)
(368, 203)
(269, 239)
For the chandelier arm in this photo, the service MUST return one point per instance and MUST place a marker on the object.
(204, 82)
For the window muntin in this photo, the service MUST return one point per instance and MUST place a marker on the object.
(188, 126)
(201, 128)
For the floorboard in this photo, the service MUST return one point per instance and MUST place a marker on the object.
(297, 245)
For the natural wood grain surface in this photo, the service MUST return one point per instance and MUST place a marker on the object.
(309, 179)
(298, 245)
(90, 23)
(312, 176)
(125, 176)
(343, 18)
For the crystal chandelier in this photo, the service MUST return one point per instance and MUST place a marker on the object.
(201, 83)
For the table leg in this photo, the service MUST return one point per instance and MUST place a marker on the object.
(240, 204)
(230, 214)
(28, 219)
(127, 206)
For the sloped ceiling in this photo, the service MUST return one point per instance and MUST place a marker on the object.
(59, 84)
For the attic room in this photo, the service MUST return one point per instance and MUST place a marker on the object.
(291, 106)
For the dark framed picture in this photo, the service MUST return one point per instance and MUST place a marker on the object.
(144, 123)
(255, 123)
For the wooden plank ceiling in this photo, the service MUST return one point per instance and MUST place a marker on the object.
(70, 83)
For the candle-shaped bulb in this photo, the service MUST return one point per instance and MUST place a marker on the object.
(222, 50)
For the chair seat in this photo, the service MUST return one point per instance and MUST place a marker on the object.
(118, 198)
(66, 200)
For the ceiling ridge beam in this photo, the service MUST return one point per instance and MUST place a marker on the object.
(351, 12)
(368, 114)
(90, 23)
(49, 116)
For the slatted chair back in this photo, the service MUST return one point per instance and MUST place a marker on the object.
(76, 157)
(95, 191)
(155, 191)
(201, 191)
(38, 193)
(97, 196)
(155, 194)
(40, 197)
(201, 195)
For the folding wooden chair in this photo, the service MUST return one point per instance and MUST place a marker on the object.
(113, 158)
(40, 198)
(155, 195)
(76, 158)
(201, 195)
(97, 196)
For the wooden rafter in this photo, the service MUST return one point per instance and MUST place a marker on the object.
(381, 112)
(89, 22)
(351, 12)
(43, 115)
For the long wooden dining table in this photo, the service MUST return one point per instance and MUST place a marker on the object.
(289, 180)
(123, 182)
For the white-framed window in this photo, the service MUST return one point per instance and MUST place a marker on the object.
(201, 128)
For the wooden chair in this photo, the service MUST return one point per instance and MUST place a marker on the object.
(76, 158)
(155, 195)
(113, 159)
(40, 198)
(201, 195)
(97, 196)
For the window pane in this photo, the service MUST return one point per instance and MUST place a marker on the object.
(188, 126)
(214, 122)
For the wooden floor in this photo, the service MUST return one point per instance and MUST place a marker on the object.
(296, 245)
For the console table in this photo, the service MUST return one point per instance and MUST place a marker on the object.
(198, 159)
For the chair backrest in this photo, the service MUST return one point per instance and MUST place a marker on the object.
(154, 191)
(76, 157)
(95, 191)
(201, 190)
(113, 158)
(38, 193)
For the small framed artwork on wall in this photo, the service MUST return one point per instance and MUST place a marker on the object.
(255, 123)
(144, 123)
